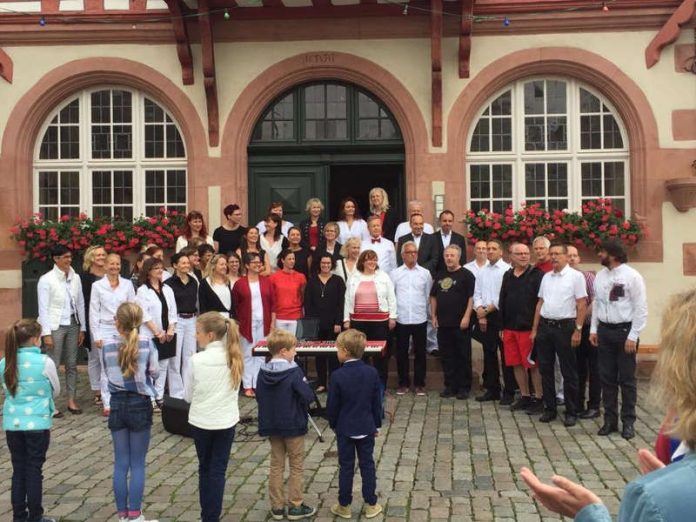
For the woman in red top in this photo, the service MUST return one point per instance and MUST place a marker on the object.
(253, 303)
(288, 292)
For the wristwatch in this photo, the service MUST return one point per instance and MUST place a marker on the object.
(578, 328)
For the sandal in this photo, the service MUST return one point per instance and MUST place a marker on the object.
(97, 400)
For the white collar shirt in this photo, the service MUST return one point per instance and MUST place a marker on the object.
(446, 238)
(417, 240)
(357, 229)
(412, 287)
(70, 307)
(386, 254)
(405, 228)
(488, 283)
(560, 292)
(103, 304)
(475, 268)
(620, 297)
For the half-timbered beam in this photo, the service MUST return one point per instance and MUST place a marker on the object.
(670, 32)
(209, 80)
(6, 66)
(436, 71)
(183, 46)
(465, 37)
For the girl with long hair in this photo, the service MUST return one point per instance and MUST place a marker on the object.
(130, 361)
(29, 381)
(93, 269)
(193, 229)
(347, 264)
(212, 388)
(379, 206)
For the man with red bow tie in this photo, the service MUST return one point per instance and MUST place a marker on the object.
(386, 254)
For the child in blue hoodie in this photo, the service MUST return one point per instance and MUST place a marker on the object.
(283, 397)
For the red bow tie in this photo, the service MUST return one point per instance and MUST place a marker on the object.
(377, 240)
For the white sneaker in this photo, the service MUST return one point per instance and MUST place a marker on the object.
(141, 518)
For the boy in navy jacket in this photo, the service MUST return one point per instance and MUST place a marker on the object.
(283, 397)
(354, 410)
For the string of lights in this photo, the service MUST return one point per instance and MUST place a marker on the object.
(405, 8)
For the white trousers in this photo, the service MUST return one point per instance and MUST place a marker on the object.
(252, 364)
(287, 325)
(108, 333)
(185, 343)
(170, 370)
(94, 368)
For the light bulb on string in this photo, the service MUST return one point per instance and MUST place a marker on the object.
(605, 7)
(506, 22)
(405, 11)
(226, 16)
(42, 21)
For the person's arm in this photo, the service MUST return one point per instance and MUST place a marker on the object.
(188, 382)
(478, 292)
(181, 243)
(94, 312)
(466, 318)
(333, 403)
(266, 265)
(640, 307)
(580, 311)
(203, 305)
(341, 289)
(303, 390)
(537, 317)
(153, 361)
(399, 260)
(172, 311)
(348, 306)
(80, 304)
(377, 401)
(42, 291)
(391, 300)
(51, 374)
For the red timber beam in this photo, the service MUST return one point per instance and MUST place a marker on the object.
(465, 37)
(209, 81)
(670, 32)
(6, 66)
(436, 71)
(183, 46)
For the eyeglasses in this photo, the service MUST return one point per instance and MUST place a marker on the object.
(410, 252)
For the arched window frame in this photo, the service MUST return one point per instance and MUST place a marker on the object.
(299, 119)
(514, 161)
(143, 168)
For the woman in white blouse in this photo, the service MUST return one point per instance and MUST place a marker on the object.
(350, 224)
(272, 241)
(108, 293)
(159, 323)
(346, 266)
(194, 228)
(214, 292)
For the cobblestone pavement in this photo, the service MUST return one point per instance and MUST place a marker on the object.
(439, 459)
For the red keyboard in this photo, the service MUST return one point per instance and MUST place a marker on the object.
(320, 347)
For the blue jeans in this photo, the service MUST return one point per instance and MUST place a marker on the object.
(130, 421)
(28, 453)
(347, 448)
(213, 449)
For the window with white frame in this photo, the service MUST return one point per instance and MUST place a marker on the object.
(109, 152)
(551, 141)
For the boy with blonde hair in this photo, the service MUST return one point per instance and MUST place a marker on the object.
(354, 411)
(283, 397)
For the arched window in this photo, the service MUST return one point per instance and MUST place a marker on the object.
(551, 141)
(326, 112)
(109, 152)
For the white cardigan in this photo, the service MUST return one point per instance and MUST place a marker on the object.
(386, 297)
(152, 307)
(208, 387)
(51, 290)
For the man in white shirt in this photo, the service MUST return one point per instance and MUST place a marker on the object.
(619, 314)
(386, 254)
(557, 330)
(480, 258)
(62, 318)
(487, 328)
(275, 208)
(414, 207)
(412, 284)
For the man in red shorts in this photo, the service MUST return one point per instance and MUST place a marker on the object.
(518, 300)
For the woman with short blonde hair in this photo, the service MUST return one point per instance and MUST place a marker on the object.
(312, 227)
(350, 251)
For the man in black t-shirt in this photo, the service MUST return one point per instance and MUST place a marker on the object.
(451, 301)
(228, 237)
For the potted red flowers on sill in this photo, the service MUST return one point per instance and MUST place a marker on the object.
(36, 236)
(598, 221)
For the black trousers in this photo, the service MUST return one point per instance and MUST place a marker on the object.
(376, 331)
(492, 346)
(455, 355)
(325, 365)
(405, 332)
(617, 369)
(552, 342)
(588, 368)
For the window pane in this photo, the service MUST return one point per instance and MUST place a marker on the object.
(48, 188)
(71, 113)
(367, 107)
(502, 105)
(101, 107)
(123, 187)
(590, 132)
(368, 129)
(556, 97)
(154, 186)
(336, 101)
(588, 102)
(614, 179)
(534, 97)
(557, 137)
(101, 187)
(612, 134)
(535, 182)
(480, 139)
(153, 112)
(314, 101)
(502, 134)
(480, 181)
(502, 181)
(175, 144)
(123, 141)
(154, 141)
(101, 142)
(534, 134)
(49, 144)
(388, 130)
(591, 174)
(122, 109)
(69, 188)
(557, 180)
(176, 186)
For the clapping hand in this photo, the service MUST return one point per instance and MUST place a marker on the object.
(565, 497)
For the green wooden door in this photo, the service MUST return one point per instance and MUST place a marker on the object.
(291, 184)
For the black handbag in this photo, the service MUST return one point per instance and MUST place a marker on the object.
(166, 349)
(175, 416)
